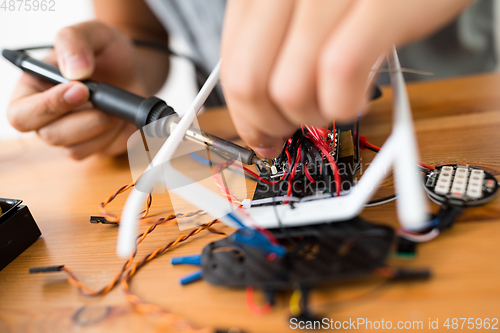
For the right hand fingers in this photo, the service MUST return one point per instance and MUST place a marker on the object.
(254, 115)
(31, 109)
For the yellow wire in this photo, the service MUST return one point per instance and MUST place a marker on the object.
(294, 302)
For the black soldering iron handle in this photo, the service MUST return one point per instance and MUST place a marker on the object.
(126, 105)
(40, 69)
(105, 97)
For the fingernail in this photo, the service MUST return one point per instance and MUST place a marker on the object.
(76, 67)
(266, 152)
(77, 94)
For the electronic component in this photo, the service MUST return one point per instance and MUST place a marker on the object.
(460, 184)
(315, 254)
(310, 171)
(18, 230)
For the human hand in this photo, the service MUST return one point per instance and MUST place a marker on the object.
(61, 114)
(287, 62)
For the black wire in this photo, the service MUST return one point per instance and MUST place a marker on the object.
(165, 48)
(374, 202)
(306, 154)
(282, 227)
(137, 42)
(281, 156)
(358, 153)
(33, 48)
(259, 168)
(375, 150)
(316, 152)
(447, 216)
(326, 178)
(422, 169)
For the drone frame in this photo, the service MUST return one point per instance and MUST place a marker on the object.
(399, 151)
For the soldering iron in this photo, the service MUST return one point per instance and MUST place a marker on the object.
(129, 106)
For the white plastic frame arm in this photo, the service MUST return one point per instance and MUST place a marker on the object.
(400, 151)
(128, 223)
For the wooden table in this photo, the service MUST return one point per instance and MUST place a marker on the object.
(456, 121)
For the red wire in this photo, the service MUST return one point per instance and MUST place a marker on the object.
(322, 131)
(320, 139)
(314, 133)
(308, 175)
(254, 308)
(266, 233)
(220, 183)
(364, 143)
(427, 166)
(270, 237)
(367, 144)
(315, 130)
(288, 157)
(333, 165)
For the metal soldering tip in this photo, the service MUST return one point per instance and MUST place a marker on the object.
(259, 162)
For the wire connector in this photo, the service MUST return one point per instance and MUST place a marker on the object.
(193, 277)
(46, 269)
(254, 238)
(188, 260)
(100, 219)
(412, 274)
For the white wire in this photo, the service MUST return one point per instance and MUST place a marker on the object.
(264, 201)
(381, 202)
(421, 238)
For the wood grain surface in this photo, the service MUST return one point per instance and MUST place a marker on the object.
(456, 121)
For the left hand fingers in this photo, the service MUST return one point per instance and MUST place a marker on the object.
(77, 127)
(110, 143)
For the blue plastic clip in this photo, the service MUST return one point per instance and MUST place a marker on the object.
(254, 238)
(198, 275)
(187, 260)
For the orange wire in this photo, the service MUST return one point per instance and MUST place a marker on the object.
(126, 277)
(113, 218)
(145, 307)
